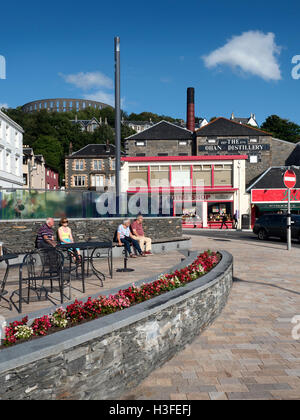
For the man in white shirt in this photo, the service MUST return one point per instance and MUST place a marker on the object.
(125, 237)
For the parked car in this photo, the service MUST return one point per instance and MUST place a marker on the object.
(275, 225)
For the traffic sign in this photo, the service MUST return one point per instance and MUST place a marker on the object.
(289, 178)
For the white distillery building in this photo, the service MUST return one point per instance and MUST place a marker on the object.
(11, 153)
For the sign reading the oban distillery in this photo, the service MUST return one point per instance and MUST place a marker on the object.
(234, 145)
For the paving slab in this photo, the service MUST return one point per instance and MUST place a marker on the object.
(249, 349)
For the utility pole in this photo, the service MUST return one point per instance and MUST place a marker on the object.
(117, 123)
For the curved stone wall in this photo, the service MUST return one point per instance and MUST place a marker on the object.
(62, 105)
(104, 358)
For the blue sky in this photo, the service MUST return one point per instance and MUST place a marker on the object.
(237, 55)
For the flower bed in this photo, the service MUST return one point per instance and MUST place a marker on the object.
(19, 331)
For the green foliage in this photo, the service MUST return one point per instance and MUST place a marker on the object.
(282, 128)
(52, 150)
(50, 134)
(147, 116)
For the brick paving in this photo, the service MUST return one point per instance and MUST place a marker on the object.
(248, 352)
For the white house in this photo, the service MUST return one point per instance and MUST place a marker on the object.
(11, 153)
(249, 120)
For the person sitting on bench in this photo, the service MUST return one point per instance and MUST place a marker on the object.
(125, 237)
(138, 232)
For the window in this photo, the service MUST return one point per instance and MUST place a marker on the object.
(140, 143)
(8, 161)
(253, 158)
(159, 176)
(79, 180)
(97, 165)
(97, 180)
(162, 154)
(202, 175)
(138, 176)
(78, 165)
(181, 176)
(113, 164)
(223, 175)
(17, 167)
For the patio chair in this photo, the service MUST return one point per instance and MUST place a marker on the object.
(34, 275)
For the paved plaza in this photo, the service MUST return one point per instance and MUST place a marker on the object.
(248, 352)
(143, 268)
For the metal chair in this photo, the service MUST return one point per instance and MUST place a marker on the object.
(34, 275)
(53, 269)
(28, 276)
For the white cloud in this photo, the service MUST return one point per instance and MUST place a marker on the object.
(4, 106)
(252, 52)
(101, 96)
(88, 80)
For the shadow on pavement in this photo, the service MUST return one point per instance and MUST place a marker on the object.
(237, 280)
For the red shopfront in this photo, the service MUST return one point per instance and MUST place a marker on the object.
(178, 175)
(273, 200)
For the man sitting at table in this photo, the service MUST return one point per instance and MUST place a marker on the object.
(125, 237)
(45, 235)
(138, 232)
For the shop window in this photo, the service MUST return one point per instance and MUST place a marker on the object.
(159, 176)
(181, 176)
(222, 175)
(138, 176)
(202, 175)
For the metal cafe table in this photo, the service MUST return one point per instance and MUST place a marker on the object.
(3, 292)
(91, 251)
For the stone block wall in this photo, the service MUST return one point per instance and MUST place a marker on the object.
(155, 147)
(105, 358)
(19, 235)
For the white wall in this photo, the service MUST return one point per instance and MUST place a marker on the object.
(11, 153)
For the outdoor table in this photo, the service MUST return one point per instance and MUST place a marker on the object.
(6, 258)
(89, 257)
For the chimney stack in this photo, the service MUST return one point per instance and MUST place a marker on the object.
(190, 115)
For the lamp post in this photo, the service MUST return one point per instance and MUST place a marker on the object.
(117, 123)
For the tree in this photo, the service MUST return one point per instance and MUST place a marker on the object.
(51, 149)
(281, 128)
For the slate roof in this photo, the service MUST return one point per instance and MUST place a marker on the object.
(241, 120)
(273, 178)
(85, 122)
(224, 127)
(163, 130)
(294, 158)
(101, 150)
